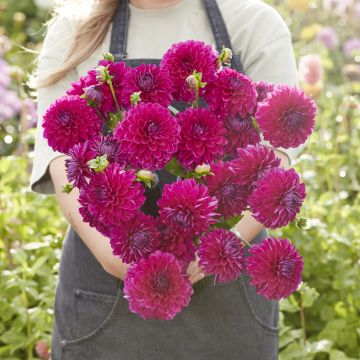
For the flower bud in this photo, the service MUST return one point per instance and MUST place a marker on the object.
(99, 164)
(203, 169)
(67, 189)
(191, 82)
(135, 97)
(145, 176)
(93, 95)
(226, 56)
(102, 74)
(108, 56)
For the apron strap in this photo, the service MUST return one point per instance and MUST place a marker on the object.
(220, 32)
(119, 31)
(120, 24)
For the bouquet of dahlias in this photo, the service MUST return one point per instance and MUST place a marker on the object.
(120, 127)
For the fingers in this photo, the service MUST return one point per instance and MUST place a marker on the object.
(194, 271)
(199, 276)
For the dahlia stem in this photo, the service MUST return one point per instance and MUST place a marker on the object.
(196, 101)
(302, 319)
(113, 95)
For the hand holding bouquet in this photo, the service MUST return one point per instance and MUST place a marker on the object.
(119, 129)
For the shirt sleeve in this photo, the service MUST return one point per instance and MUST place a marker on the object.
(269, 55)
(52, 56)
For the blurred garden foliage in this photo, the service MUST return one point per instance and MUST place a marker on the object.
(321, 320)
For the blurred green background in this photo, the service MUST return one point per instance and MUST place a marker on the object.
(321, 320)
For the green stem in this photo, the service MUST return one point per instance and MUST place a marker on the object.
(302, 319)
(114, 96)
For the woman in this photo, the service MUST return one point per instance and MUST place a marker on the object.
(92, 319)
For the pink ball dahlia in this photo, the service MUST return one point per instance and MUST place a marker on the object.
(277, 198)
(151, 81)
(107, 145)
(182, 59)
(176, 242)
(232, 93)
(69, 121)
(77, 169)
(118, 70)
(156, 288)
(240, 133)
(231, 196)
(202, 137)
(274, 268)
(286, 117)
(252, 163)
(263, 88)
(221, 254)
(148, 136)
(136, 239)
(113, 195)
(187, 206)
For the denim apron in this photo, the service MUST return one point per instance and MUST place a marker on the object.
(92, 319)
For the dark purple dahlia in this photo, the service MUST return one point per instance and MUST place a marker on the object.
(156, 288)
(232, 93)
(239, 133)
(221, 254)
(69, 121)
(277, 198)
(202, 138)
(286, 117)
(231, 196)
(107, 145)
(187, 206)
(136, 239)
(77, 169)
(113, 196)
(176, 242)
(148, 136)
(263, 89)
(151, 81)
(274, 268)
(182, 59)
(252, 162)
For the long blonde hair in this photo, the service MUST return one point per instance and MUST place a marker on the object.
(89, 33)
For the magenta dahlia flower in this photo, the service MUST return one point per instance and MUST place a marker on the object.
(202, 138)
(77, 169)
(252, 163)
(178, 243)
(113, 195)
(231, 196)
(221, 254)
(286, 117)
(232, 93)
(182, 59)
(148, 136)
(118, 70)
(87, 216)
(136, 239)
(240, 133)
(107, 145)
(277, 198)
(151, 81)
(156, 288)
(274, 268)
(69, 121)
(263, 88)
(187, 206)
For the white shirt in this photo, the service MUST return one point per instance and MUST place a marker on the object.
(258, 34)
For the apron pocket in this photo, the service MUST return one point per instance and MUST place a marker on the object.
(264, 312)
(93, 312)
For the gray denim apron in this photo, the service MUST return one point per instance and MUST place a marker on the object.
(92, 319)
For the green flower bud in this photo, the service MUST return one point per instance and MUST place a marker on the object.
(99, 164)
(225, 56)
(145, 176)
(135, 97)
(203, 169)
(108, 56)
(102, 74)
(67, 188)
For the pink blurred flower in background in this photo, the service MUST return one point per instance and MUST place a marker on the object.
(338, 6)
(351, 46)
(328, 37)
(310, 69)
